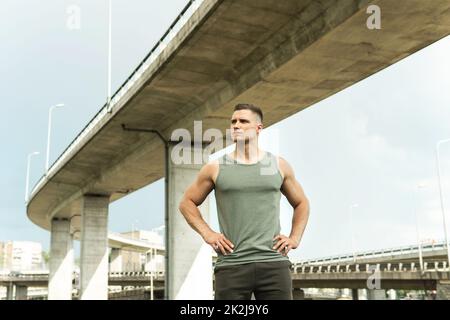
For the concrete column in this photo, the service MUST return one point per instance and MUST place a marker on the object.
(363, 294)
(443, 290)
(148, 260)
(392, 294)
(94, 248)
(345, 293)
(61, 261)
(298, 294)
(10, 292)
(21, 292)
(189, 257)
(376, 294)
(116, 260)
(355, 295)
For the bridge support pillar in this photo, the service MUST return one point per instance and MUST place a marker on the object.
(116, 260)
(298, 294)
(10, 292)
(189, 265)
(345, 293)
(392, 294)
(21, 292)
(355, 295)
(150, 260)
(61, 261)
(443, 290)
(94, 248)
(376, 294)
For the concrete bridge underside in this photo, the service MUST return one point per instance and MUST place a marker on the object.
(281, 55)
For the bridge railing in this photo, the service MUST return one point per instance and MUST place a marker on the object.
(136, 274)
(43, 275)
(436, 266)
(374, 254)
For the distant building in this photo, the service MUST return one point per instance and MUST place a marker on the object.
(21, 255)
(2, 255)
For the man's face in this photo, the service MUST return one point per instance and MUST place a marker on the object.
(244, 125)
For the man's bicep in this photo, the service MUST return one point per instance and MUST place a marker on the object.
(200, 188)
(293, 191)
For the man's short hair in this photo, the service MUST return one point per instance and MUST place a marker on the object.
(251, 107)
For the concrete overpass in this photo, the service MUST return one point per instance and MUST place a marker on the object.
(282, 55)
(118, 241)
(396, 275)
(397, 268)
(17, 284)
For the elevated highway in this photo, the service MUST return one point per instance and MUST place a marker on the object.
(281, 55)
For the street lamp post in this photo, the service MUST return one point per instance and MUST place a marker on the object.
(419, 242)
(351, 230)
(152, 256)
(439, 143)
(27, 182)
(108, 103)
(48, 134)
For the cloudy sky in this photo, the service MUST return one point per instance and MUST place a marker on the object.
(372, 144)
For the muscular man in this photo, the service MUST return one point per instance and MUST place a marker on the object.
(252, 254)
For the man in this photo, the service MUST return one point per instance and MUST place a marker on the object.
(252, 254)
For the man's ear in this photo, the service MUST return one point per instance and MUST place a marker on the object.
(260, 127)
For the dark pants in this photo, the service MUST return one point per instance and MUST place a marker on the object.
(266, 280)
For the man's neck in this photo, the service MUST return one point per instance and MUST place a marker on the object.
(247, 153)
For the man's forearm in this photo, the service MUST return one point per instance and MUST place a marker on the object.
(194, 218)
(299, 221)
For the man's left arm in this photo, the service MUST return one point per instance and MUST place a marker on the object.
(294, 193)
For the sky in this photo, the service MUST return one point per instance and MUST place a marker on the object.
(372, 145)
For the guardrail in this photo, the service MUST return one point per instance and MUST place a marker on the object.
(136, 274)
(436, 266)
(39, 276)
(375, 254)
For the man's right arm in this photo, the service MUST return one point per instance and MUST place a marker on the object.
(193, 197)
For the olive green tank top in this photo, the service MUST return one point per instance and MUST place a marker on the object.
(248, 208)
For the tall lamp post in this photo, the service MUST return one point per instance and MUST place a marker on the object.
(354, 205)
(419, 242)
(49, 134)
(438, 144)
(108, 103)
(27, 182)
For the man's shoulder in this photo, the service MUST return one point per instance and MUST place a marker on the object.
(284, 166)
(211, 167)
(282, 160)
